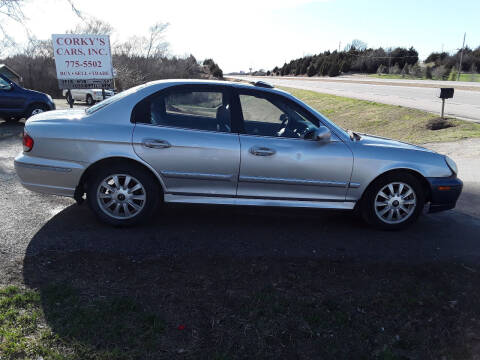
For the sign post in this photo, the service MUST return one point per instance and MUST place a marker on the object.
(83, 61)
(445, 93)
(70, 98)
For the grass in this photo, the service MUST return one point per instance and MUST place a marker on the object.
(470, 77)
(252, 309)
(24, 332)
(390, 121)
(396, 76)
(463, 77)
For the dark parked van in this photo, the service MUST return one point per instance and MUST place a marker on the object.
(17, 102)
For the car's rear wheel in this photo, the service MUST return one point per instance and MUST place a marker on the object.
(123, 195)
(90, 100)
(393, 201)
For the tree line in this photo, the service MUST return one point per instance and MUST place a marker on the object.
(358, 58)
(447, 65)
(137, 60)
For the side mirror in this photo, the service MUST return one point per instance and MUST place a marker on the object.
(322, 134)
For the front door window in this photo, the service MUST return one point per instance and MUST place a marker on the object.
(272, 117)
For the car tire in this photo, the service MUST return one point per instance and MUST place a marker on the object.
(35, 109)
(393, 201)
(98, 195)
(90, 100)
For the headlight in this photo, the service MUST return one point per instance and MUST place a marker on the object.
(451, 164)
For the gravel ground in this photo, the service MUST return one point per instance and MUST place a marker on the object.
(33, 224)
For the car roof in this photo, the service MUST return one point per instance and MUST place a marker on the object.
(236, 84)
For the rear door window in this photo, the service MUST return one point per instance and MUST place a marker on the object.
(192, 109)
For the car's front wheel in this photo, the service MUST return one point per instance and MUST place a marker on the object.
(35, 109)
(393, 201)
(123, 195)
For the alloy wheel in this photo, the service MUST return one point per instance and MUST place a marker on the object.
(395, 202)
(121, 196)
(37, 111)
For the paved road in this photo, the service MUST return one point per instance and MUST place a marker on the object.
(409, 93)
(33, 224)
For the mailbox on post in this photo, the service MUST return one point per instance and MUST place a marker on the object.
(445, 93)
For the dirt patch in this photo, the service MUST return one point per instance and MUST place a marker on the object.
(439, 123)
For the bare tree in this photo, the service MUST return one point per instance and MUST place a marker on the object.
(10, 11)
(153, 46)
(156, 44)
(92, 26)
(135, 45)
(356, 44)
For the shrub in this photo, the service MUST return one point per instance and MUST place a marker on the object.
(473, 71)
(382, 69)
(440, 73)
(395, 69)
(416, 70)
(453, 74)
(213, 68)
(334, 70)
(428, 72)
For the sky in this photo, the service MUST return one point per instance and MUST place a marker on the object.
(266, 33)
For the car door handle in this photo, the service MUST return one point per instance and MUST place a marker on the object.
(156, 144)
(262, 151)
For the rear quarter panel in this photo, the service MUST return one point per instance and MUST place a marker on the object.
(74, 144)
(75, 140)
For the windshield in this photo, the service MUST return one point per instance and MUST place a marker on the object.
(324, 119)
(112, 99)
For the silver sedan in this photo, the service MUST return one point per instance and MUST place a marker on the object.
(213, 142)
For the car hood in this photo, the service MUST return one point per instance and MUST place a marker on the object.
(58, 115)
(371, 140)
(34, 93)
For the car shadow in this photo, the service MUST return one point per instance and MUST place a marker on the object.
(101, 285)
(10, 128)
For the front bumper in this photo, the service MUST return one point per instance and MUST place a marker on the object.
(444, 193)
(51, 105)
(99, 97)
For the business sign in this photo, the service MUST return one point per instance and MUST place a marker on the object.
(83, 61)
